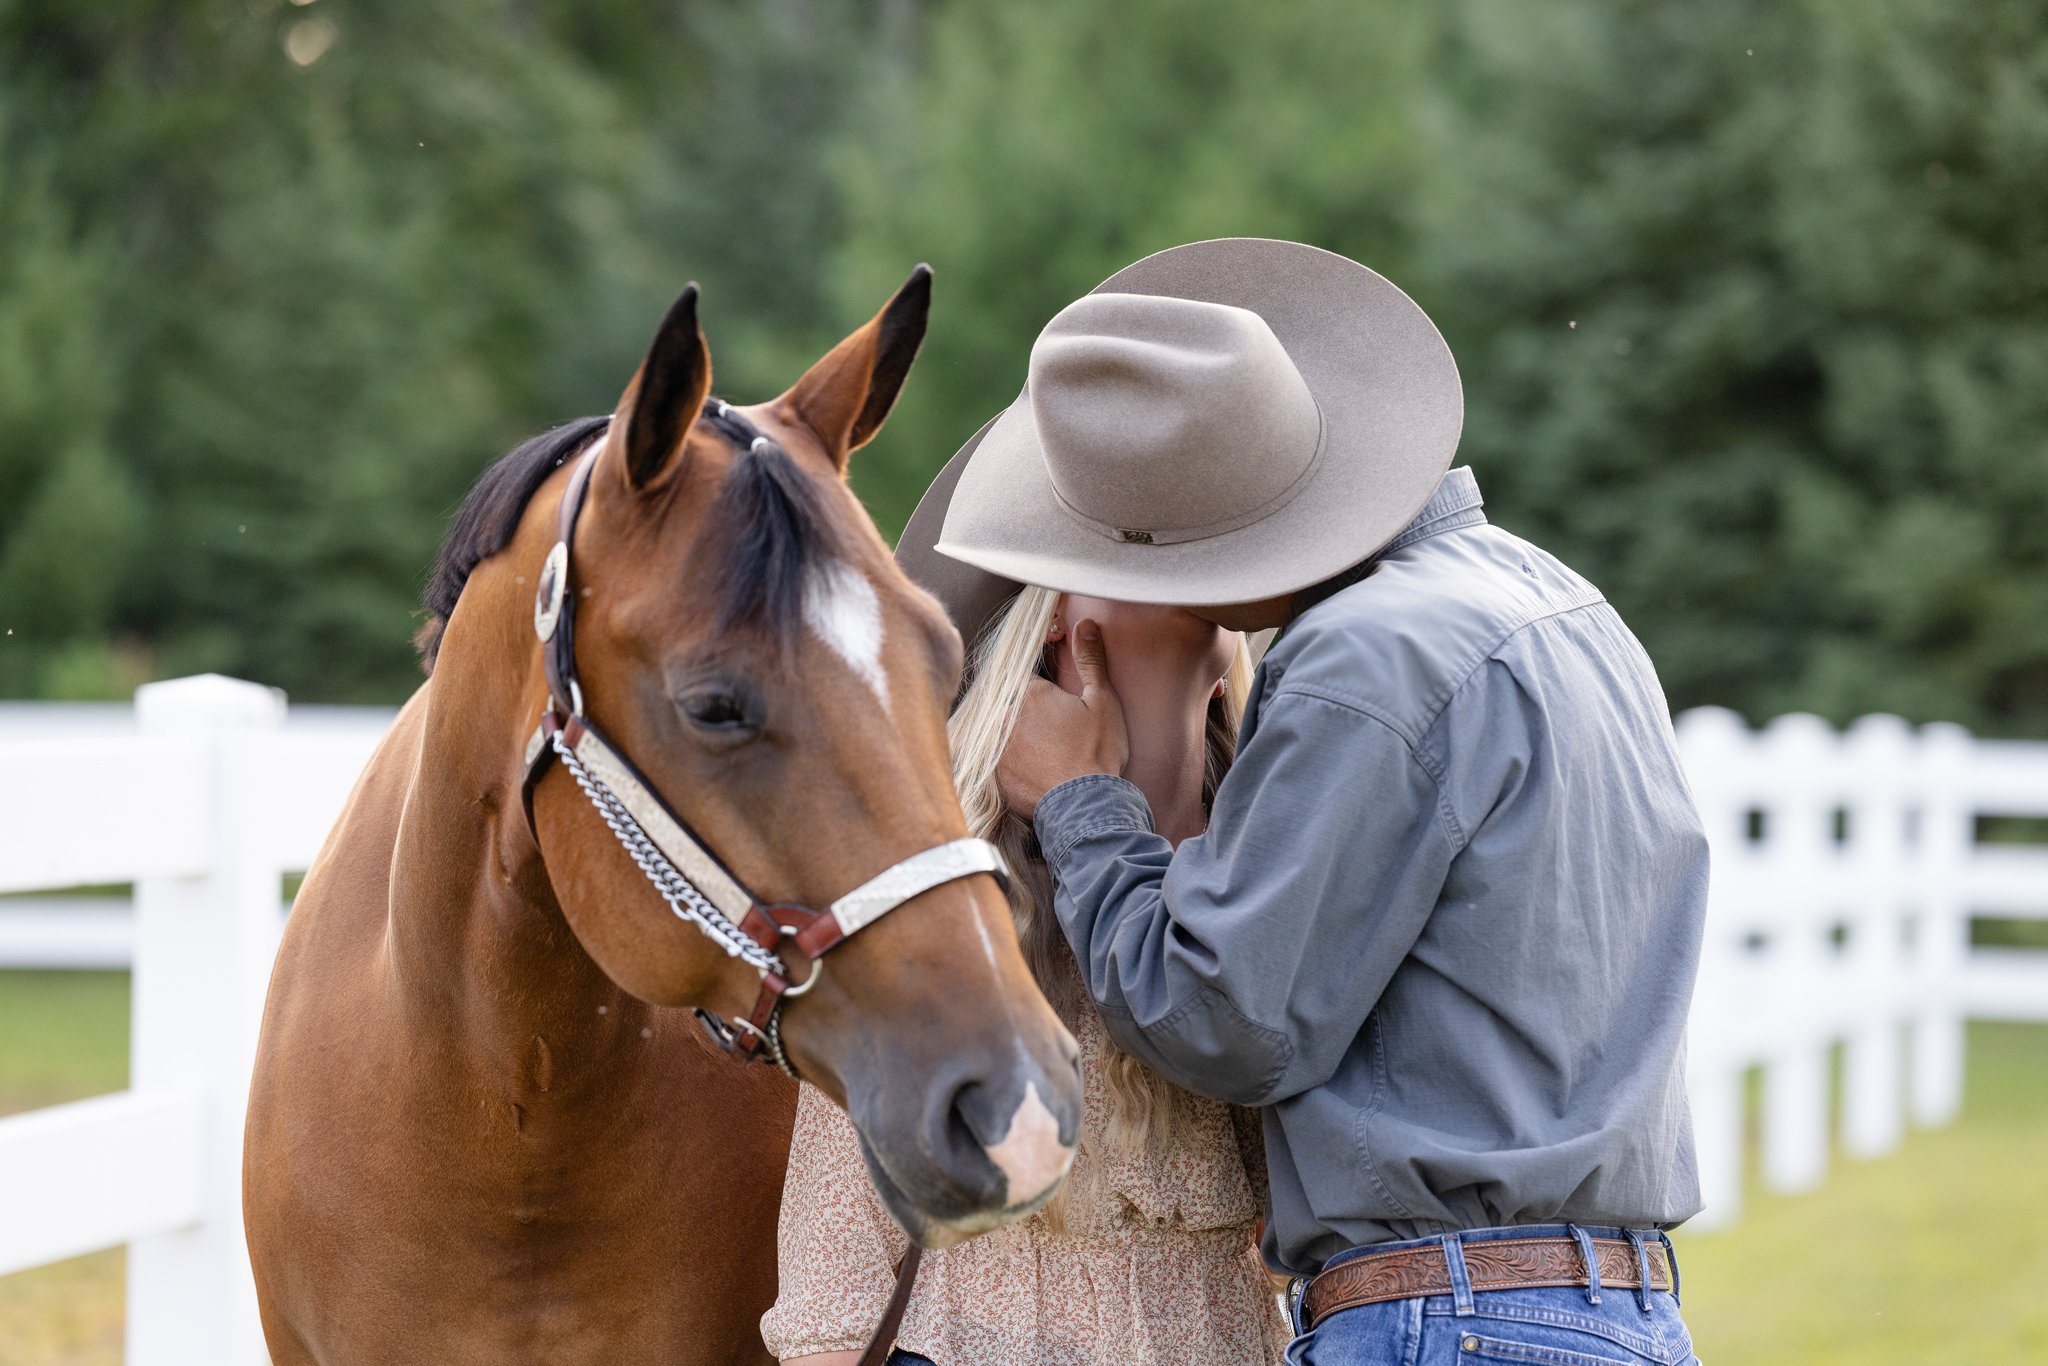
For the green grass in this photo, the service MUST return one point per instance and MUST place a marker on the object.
(66, 1314)
(1934, 1255)
(63, 1036)
(1930, 1256)
(1993, 933)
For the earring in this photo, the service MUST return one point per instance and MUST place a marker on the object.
(1056, 632)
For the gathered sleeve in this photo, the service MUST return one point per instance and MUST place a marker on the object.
(836, 1246)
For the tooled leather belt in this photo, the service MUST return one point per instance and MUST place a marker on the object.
(1491, 1264)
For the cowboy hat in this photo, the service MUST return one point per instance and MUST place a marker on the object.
(1222, 422)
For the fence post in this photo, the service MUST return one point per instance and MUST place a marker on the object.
(1947, 835)
(1714, 745)
(1873, 1104)
(203, 951)
(1801, 751)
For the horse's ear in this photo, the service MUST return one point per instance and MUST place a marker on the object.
(665, 396)
(845, 396)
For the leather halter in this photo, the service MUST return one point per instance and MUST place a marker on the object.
(684, 869)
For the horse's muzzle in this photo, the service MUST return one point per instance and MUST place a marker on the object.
(983, 1152)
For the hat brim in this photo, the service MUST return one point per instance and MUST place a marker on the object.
(1392, 409)
(971, 595)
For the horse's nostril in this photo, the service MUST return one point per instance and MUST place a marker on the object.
(972, 1124)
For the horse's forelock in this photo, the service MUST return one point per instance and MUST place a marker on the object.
(769, 533)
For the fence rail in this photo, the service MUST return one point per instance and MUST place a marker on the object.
(1847, 869)
(204, 808)
(1846, 873)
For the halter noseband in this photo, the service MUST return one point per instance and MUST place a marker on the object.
(694, 881)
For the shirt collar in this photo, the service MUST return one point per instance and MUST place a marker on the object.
(1456, 503)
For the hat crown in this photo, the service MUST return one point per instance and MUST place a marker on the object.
(1166, 419)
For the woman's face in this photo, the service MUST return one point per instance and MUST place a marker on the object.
(1147, 644)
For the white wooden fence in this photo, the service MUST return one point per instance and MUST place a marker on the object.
(204, 808)
(1846, 873)
(1846, 870)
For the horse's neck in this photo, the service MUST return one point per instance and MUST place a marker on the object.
(482, 958)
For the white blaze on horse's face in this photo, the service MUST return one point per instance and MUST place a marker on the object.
(842, 610)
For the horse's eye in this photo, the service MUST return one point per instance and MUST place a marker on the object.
(715, 709)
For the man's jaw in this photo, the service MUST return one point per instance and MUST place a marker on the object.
(1250, 616)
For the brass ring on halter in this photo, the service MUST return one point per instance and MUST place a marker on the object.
(770, 1041)
(737, 1024)
(817, 969)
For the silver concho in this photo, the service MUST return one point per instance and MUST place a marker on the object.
(554, 585)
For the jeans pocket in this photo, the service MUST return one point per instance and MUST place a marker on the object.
(1546, 1347)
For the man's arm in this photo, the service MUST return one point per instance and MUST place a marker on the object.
(1244, 965)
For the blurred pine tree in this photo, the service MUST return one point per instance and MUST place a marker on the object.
(69, 517)
(349, 254)
(1749, 299)
(344, 256)
(1031, 150)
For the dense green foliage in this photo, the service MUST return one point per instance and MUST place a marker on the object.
(1749, 297)
(1752, 304)
(1045, 146)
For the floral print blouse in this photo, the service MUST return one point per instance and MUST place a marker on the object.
(1155, 1262)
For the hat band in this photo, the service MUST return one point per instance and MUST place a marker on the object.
(1131, 535)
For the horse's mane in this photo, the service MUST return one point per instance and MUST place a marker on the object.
(769, 528)
(489, 515)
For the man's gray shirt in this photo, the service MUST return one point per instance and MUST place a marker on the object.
(1444, 923)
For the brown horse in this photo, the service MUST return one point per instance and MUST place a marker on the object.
(480, 1130)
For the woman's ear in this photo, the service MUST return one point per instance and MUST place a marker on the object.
(1222, 685)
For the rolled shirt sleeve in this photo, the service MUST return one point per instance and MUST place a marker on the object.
(1243, 965)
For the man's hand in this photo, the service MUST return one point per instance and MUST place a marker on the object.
(1061, 736)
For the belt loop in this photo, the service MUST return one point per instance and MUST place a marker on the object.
(1670, 1262)
(1461, 1280)
(1591, 1261)
(1642, 1247)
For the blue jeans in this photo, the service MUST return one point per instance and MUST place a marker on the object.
(1553, 1327)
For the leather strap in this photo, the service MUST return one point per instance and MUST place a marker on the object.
(554, 602)
(670, 832)
(884, 1340)
(817, 932)
(893, 886)
(1491, 1263)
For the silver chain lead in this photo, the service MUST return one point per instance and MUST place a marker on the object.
(684, 899)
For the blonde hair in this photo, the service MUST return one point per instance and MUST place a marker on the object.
(1009, 654)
